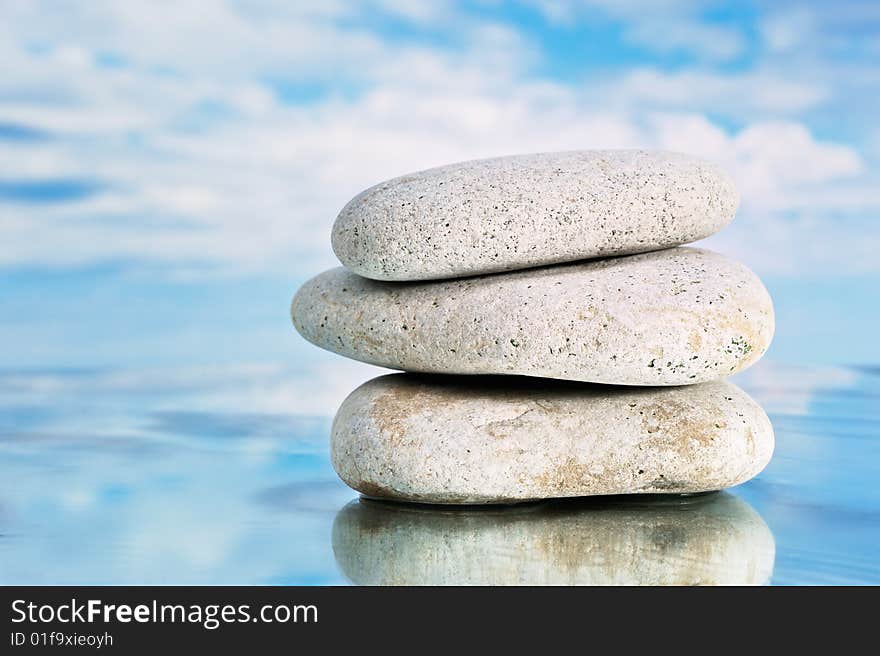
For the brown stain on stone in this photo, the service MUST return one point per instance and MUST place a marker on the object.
(667, 485)
(375, 491)
(392, 409)
(673, 425)
(381, 492)
(564, 477)
(750, 440)
(747, 332)
(727, 326)
(588, 314)
(364, 341)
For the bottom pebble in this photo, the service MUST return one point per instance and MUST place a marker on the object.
(486, 440)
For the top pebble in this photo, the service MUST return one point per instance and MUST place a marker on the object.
(523, 211)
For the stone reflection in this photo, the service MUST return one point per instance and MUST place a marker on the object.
(707, 539)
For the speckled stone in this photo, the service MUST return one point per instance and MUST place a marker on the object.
(670, 317)
(516, 212)
(455, 440)
(702, 540)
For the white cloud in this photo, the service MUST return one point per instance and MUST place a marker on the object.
(671, 35)
(738, 94)
(773, 161)
(256, 182)
(785, 31)
(801, 199)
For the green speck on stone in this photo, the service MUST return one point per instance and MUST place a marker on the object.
(514, 343)
(739, 344)
(651, 365)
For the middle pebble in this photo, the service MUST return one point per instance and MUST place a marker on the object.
(671, 317)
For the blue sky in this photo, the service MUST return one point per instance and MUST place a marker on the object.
(169, 172)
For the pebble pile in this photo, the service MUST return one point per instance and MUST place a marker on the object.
(560, 341)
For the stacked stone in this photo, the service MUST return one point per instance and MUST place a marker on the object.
(560, 341)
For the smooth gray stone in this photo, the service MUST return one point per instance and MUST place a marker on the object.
(479, 440)
(671, 317)
(522, 211)
(704, 540)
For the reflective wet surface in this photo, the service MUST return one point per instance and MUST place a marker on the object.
(697, 540)
(222, 476)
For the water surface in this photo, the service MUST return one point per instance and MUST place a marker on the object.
(223, 477)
